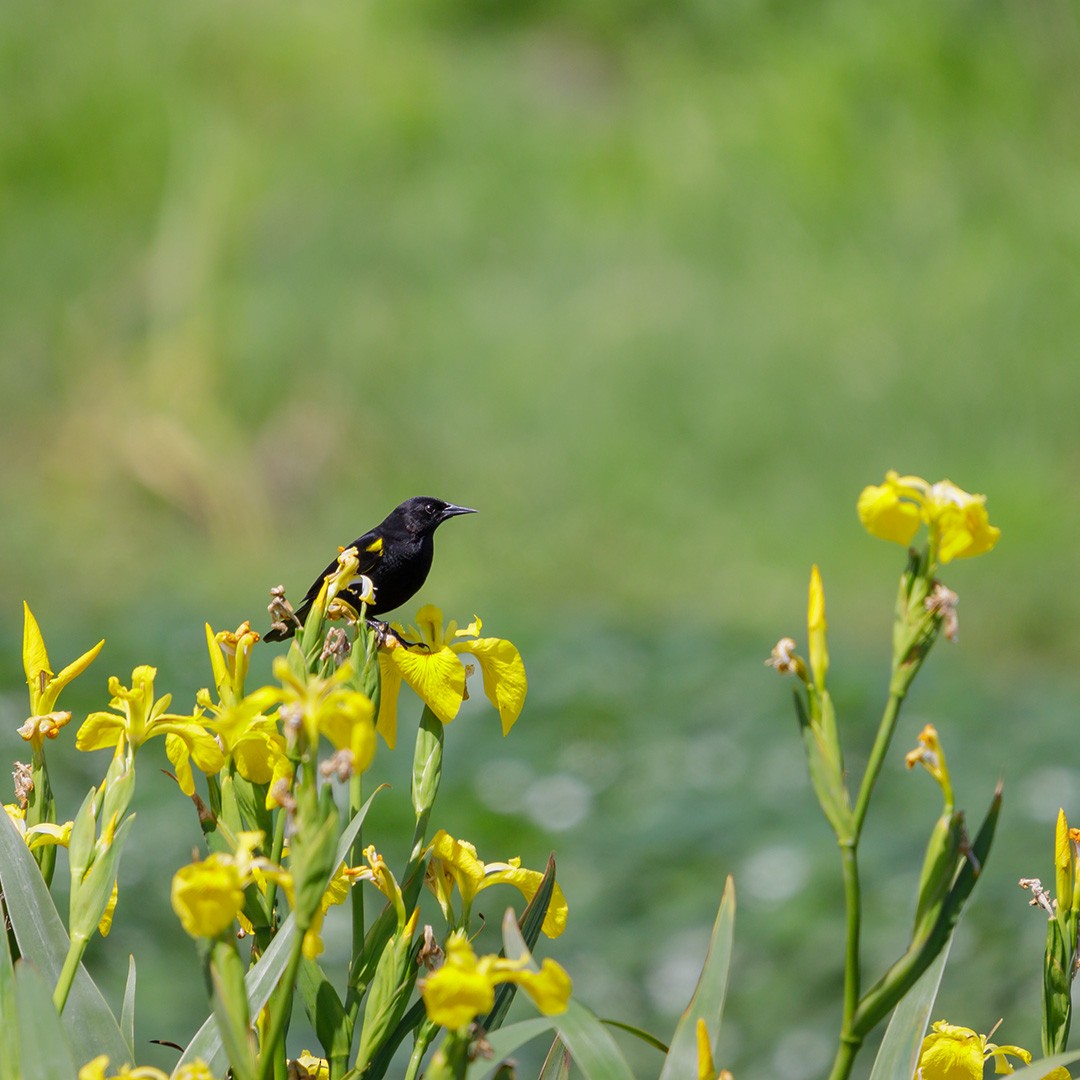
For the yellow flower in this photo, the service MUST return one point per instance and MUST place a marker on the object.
(382, 877)
(194, 1070)
(41, 835)
(97, 1069)
(454, 862)
(45, 722)
(436, 673)
(706, 1065)
(208, 895)
(958, 1053)
(317, 706)
(315, 1068)
(930, 754)
(956, 520)
(464, 987)
(138, 717)
(230, 655)
(250, 740)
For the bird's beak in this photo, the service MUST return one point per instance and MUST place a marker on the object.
(452, 511)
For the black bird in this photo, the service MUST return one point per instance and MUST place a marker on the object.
(395, 555)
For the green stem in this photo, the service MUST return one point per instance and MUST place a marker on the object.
(853, 905)
(877, 753)
(356, 801)
(283, 1009)
(68, 972)
(277, 846)
(845, 1058)
(424, 1036)
(849, 1042)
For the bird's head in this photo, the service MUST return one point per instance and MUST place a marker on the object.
(423, 514)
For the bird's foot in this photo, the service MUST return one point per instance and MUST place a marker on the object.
(383, 632)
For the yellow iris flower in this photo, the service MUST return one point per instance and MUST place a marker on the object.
(437, 674)
(454, 862)
(41, 835)
(950, 1052)
(45, 722)
(137, 717)
(208, 895)
(956, 520)
(464, 987)
(98, 1069)
(322, 706)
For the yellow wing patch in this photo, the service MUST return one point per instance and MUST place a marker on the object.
(376, 546)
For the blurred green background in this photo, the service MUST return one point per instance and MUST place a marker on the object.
(657, 287)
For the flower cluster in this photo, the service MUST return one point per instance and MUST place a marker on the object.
(280, 851)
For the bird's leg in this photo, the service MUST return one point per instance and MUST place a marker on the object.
(383, 631)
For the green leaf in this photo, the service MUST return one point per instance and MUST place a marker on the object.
(899, 1051)
(9, 1033)
(883, 996)
(708, 1001)
(231, 1008)
(505, 1042)
(46, 1052)
(1038, 1069)
(646, 1037)
(43, 941)
(324, 1009)
(590, 1043)
(557, 1063)
(824, 761)
(265, 975)
(127, 1012)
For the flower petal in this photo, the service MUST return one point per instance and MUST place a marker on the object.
(505, 683)
(436, 676)
(99, 730)
(35, 658)
(527, 882)
(885, 516)
(207, 896)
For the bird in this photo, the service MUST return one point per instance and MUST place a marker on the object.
(395, 555)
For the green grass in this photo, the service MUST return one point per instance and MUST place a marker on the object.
(658, 289)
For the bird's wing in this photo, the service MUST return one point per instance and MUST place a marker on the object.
(370, 548)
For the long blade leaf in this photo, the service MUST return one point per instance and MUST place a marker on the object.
(46, 1052)
(506, 1041)
(9, 1033)
(127, 1013)
(708, 1001)
(43, 941)
(1038, 1069)
(590, 1042)
(899, 1051)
